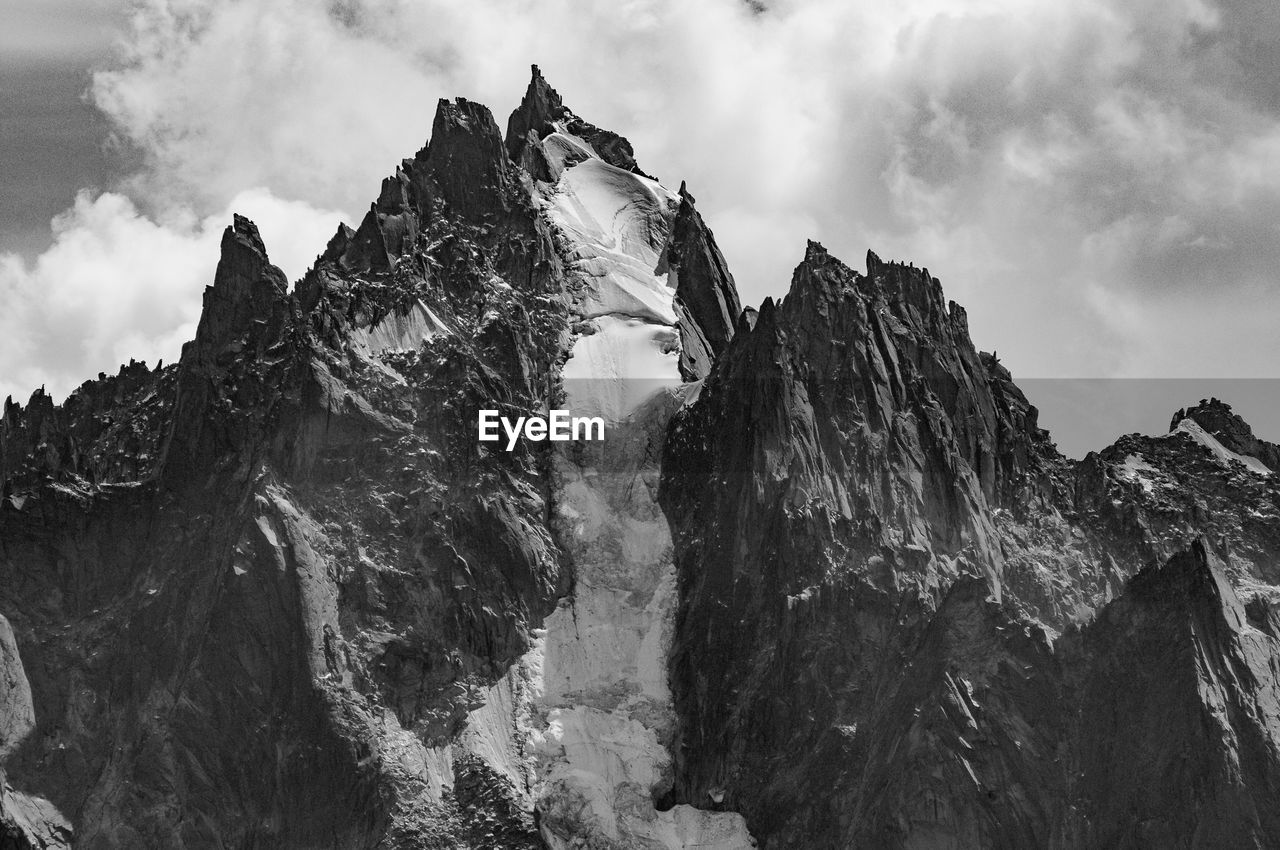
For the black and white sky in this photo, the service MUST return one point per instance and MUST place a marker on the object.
(1097, 181)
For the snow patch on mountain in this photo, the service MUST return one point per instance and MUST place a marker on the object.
(401, 331)
(622, 363)
(563, 149)
(613, 226)
(1135, 469)
(603, 755)
(1193, 430)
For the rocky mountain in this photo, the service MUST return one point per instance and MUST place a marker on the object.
(824, 583)
(907, 621)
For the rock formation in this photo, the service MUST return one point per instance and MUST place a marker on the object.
(825, 582)
(907, 621)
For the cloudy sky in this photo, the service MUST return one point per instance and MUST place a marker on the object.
(1097, 181)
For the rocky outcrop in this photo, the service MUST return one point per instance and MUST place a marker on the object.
(877, 550)
(542, 112)
(17, 713)
(532, 121)
(465, 165)
(231, 376)
(1217, 418)
(107, 431)
(706, 296)
(387, 231)
(1175, 742)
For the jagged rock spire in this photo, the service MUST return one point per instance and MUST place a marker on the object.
(245, 286)
(540, 106)
(533, 121)
(227, 386)
(706, 295)
(466, 160)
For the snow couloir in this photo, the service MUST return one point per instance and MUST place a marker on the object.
(602, 715)
(584, 723)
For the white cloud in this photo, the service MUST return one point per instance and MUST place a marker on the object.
(1085, 177)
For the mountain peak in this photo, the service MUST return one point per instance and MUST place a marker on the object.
(542, 112)
(819, 274)
(540, 107)
(461, 113)
(906, 284)
(466, 159)
(1226, 426)
(244, 232)
(1209, 413)
(815, 253)
(246, 290)
(244, 262)
(873, 262)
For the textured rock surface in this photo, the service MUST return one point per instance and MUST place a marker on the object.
(542, 112)
(706, 297)
(907, 621)
(278, 595)
(826, 583)
(1199, 769)
(1217, 418)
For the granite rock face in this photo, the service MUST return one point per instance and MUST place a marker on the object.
(825, 583)
(907, 621)
(278, 594)
(705, 293)
(258, 593)
(542, 112)
(1199, 770)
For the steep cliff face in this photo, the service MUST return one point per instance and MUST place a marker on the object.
(825, 582)
(834, 483)
(896, 625)
(272, 633)
(1177, 693)
(706, 298)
